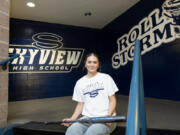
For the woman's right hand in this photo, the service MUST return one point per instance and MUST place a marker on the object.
(77, 112)
(67, 124)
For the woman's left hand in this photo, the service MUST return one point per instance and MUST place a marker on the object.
(109, 124)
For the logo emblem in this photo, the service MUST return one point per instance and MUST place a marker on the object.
(171, 9)
(94, 93)
(47, 41)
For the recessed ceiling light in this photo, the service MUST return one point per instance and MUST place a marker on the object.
(30, 4)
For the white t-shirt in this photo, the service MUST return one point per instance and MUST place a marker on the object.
(94, 92)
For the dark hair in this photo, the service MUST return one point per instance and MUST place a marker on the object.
(92, 54)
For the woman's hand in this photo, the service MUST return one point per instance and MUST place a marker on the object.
(109, 124)
(67, 124)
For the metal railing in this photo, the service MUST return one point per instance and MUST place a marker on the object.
(136, 118)
(4, 63)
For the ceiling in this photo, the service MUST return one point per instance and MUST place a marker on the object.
(71, 12)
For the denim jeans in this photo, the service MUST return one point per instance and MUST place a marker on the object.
(85, 129)
(90, 129)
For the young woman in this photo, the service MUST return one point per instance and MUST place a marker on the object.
(95, 96)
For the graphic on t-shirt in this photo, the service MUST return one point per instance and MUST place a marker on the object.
(93, 89)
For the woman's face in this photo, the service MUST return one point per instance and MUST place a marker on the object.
(92, 64)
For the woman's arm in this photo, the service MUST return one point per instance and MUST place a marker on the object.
(112, 105)
(77, 111)
(75, 115)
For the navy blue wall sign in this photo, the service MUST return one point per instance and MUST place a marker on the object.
(157, 28)
(45, 54)
(156, 24)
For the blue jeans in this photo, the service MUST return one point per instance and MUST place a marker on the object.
(91, 129)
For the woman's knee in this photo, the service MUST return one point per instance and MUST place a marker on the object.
(76, 129)
(97, 129)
